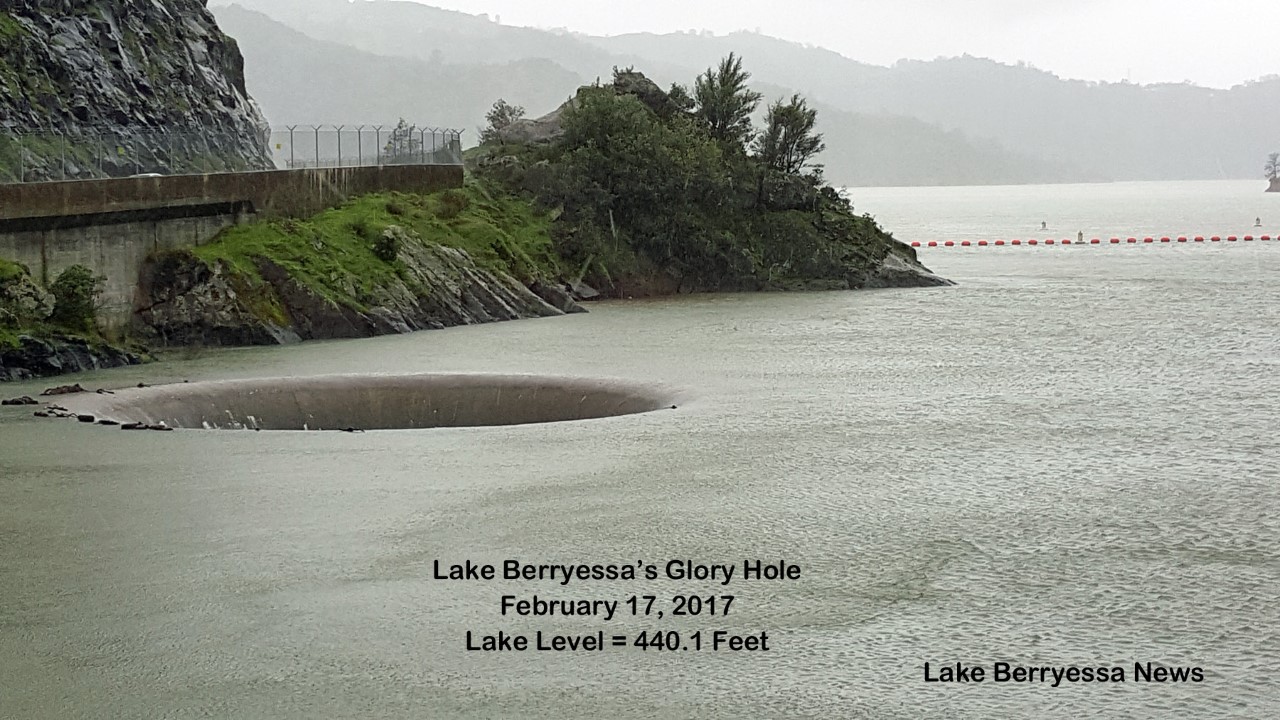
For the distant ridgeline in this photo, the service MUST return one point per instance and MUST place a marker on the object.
(102, 88)
(948, 121)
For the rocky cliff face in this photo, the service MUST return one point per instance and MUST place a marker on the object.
(132, 85)
(188, 301)
(1275, 185)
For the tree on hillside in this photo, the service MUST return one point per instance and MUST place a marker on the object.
(788, 142)
(643, 193)
(500, 116)
(1272, 168)
(724, 103)
(404, 146)
(679, 95)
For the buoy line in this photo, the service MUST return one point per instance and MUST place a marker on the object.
(1092, 241)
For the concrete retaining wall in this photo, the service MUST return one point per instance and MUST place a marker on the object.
(112, 225)
(114, 250)
(276, 193)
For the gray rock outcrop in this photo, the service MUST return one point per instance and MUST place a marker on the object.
(56, 354)
(536, 131)
(550, 127)
(898, 269)
(22, 301)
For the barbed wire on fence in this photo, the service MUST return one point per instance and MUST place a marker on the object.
(87, 152)
(300, 146)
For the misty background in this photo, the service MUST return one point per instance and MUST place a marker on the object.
(953, 120)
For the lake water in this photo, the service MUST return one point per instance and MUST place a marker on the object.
(1068, 459)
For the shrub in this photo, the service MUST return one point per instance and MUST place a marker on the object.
(75, 298)
(10, 270)
(452, 203)
(364, 229)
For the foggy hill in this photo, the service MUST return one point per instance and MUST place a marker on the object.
(298, 78)
(408, 29)
(1127, 131)
(343, 83)
(991, 122)
(1114, 130)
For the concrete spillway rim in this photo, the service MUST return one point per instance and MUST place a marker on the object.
(173, 404)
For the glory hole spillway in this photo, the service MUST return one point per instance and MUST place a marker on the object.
(374, 402)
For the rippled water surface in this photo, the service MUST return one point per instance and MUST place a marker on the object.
(1068, 459)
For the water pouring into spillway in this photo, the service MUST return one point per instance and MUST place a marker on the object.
(376, 402)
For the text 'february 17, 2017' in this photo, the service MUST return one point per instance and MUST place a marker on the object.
(704, 606)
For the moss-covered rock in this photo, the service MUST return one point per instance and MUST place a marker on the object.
(22, 301)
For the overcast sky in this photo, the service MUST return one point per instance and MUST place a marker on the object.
(1211, 42)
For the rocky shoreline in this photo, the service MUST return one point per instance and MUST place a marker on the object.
(194, 304)
(187, 300)
(37, 341)
(56, 354)
(198, 306)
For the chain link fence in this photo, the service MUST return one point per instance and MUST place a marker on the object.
(36, 156)
(306, 146)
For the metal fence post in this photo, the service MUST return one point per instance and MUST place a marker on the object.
(338, 129)
(182, 151)
(316, 131)
(292, 163)
(378, 142)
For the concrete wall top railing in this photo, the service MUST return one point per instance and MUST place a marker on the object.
(271, 193)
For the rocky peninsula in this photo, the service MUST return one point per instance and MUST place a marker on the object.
(535, 231)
